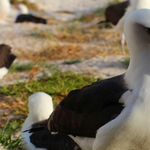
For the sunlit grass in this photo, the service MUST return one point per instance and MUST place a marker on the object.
(71, 34)
(85, 18)
(72, 61)
(105, 43)
(27, 66)
(6, 136)
(126, 61)
(54, 52)
(113, 2)
(44, 33)
(58, 86)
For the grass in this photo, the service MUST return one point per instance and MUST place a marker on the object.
(27, 66)
(114, 2)
(96, 14)
(105, 43)
(6, 136)
(44, 33)
(54, 52)
(126, 61)
(58, 86)
(72, 61)
(71, 34)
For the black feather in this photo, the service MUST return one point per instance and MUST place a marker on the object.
(38, 126)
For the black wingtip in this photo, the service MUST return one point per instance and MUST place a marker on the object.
(34, 129)
(38, 126)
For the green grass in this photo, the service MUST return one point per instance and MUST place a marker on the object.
(21, 67)
(6, 136)
(58, 86)
(44, 33)
(71, 34)
(72, 61)
(114, 2)
(82, 18)
(70, 29)
(126, 61)
(99, 12)
(27, 66)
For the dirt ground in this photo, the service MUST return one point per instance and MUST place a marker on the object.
(52, 43)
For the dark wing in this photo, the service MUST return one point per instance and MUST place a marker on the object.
(85, 110)
(4, 54)
(44, 139)
(10, 60)
(30, 18)
(115, 12)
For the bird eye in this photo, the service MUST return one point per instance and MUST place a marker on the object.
(148, 30)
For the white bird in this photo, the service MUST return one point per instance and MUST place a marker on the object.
(134, 5)
(40, 107)
(130, 130)
(23, 9)
(5, 8)
(6, 59)
(88, 112)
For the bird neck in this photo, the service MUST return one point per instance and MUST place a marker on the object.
(139, 65)
(139, 54)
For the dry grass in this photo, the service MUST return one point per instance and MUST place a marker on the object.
(10, 105)
(73, 43)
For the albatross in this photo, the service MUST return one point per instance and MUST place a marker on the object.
(115, 12)
(24, 16)
(5, 8)
(87, 112)
(40, 107)
(130, 130)
(6, 59)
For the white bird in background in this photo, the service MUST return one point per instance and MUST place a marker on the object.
(134, 5)
(40, 107)
(22, 9)
(115, 110)
(25, 16)
(5, 9)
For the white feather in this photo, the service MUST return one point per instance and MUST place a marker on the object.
(40, 107)
(3, 72)
(130, 130)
